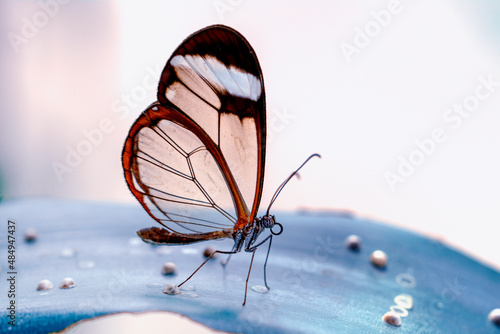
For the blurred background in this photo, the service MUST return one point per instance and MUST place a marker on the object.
(401, 98)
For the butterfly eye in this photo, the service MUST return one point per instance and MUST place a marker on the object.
(280, 230)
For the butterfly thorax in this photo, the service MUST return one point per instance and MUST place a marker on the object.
(248, 234)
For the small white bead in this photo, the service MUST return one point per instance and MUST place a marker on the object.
(494, 316)
(44, 285)
(169, 268)
(353, 242)
(378, 259)
(30, 235)
(392, 318)
(67, 283)
(209, 251)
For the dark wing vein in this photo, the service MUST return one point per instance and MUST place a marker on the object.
(236, 82)
(170, 141)
(162, 165)
(207, 82)
(215, 74)
(198, 202)
(224, 213)
(198, 219)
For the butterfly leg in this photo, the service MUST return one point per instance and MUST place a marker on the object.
(248, 276)
(208, 258)
(224, 263)
(252, 249)
(265, 263)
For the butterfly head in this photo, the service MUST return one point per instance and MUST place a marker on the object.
(268, 221)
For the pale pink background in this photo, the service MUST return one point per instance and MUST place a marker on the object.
(77, 70)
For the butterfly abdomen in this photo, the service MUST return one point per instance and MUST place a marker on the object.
(161, 236)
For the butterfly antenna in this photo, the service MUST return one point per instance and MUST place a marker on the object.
(282, 185)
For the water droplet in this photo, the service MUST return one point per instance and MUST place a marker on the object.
(209, 251)
(169, 268)
(67, 283)
(68, 252)
(86, 264)
(188, 288)
(234, 278)
(163, 250)
(353, 242)
(155, 108)
(404, 300)
(30, 235)
(494, 316)
(190, 294)
(190, 251)
(378, 259)
(44, 285)
(400, 311)
(406, 280)
(171, 289)
(154, 285)
(260, 288)
(135, 241)
(392, 319)
(437, 305)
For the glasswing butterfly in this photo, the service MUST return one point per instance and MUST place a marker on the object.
(201, 147)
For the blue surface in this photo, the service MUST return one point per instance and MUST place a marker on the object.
(317, 285)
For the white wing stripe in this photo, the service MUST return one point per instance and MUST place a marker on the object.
(225, 80)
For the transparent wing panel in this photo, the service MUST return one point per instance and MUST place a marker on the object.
(239, 146)
(178, 176)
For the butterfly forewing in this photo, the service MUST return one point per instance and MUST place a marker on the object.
(202, 146)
